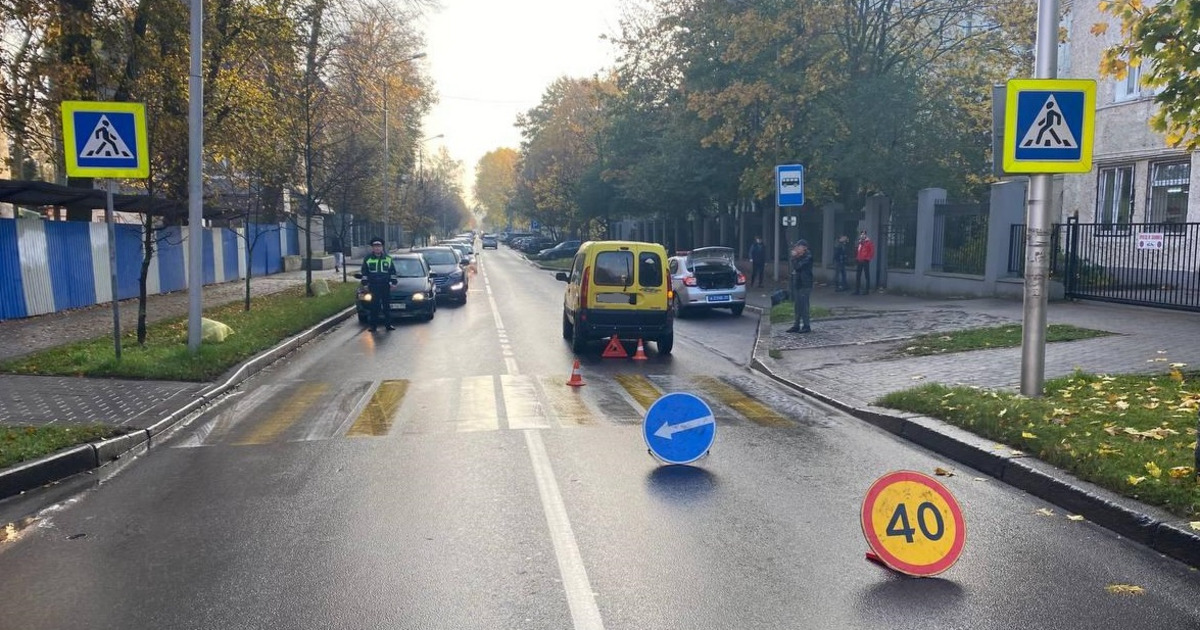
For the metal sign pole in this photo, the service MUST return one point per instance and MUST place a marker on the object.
(112, 268)
(1038, 225)
(776, 263)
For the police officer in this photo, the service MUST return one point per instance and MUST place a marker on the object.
(380, 274)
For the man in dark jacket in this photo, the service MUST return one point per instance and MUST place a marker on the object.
(801, 262)
(758, 261)
(841, 256)
(380, 273)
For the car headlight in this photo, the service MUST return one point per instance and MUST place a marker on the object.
(366, 297)
(457, 286)
(418, 297)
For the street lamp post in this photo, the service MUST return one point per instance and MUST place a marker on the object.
(387, 154)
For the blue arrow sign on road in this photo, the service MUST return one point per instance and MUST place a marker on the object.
(679, 428)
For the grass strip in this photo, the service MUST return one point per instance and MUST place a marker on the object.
(783, 313)
(1132, 434)
(1004, 336)
(165, 356)
(23, 443)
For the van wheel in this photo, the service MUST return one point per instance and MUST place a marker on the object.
(362, 318)
(567, 329)
(578, 341)
(665, 344)
(737, 310)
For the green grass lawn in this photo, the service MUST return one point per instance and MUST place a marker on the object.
(1133, 434)
(782, 313)
(1006, 336)
(165, 356)
(20, 443)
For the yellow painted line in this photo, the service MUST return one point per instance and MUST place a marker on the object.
(284, 416)
(566, 403)
(737, 400)
(379, 414)
(640, 387)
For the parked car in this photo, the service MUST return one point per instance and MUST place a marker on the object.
(490, 240)
(413, 295)
(621, 288)
(707, 278)
(447, 268)
(464, 250)
(534, 244)
(565, 249)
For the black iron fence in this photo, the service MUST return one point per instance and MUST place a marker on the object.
(1147, 264)
(900, 241)
(960, 235)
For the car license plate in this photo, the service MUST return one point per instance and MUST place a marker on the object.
(718, 298)
(396, 306)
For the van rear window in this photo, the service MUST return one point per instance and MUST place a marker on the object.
(614, 269)
(650, 269)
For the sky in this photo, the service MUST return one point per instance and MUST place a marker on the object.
(491, 60)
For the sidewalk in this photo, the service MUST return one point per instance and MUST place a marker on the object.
(37, 400)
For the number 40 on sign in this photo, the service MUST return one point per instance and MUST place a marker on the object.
(913, 524)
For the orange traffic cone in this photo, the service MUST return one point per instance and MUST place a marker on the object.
(640, 355)
(576, 379)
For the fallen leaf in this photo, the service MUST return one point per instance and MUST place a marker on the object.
(1045, 512)
(1125, 589)
(1195, 525)
(918, 377)
(1181, 472)
(1003, 411)
(980, 479)
(1176, 375)
(1074, 517)
(1153, 469)
(1028, 436)
(1017, 453)
(1133, 481)
(942, 472)
(1178, 365)
(1121, 404)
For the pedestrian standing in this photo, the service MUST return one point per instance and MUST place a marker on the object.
(336, 245)
(801, 263)
(863, 256)
(380, 273)
(758, 261)
(841, 256)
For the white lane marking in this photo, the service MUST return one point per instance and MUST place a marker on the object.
(510, 363)
(585, 615)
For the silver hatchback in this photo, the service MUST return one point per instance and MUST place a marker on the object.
(707, 278)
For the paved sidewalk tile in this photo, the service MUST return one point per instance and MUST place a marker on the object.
(42, 400)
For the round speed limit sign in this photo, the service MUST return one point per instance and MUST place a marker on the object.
(913, 523)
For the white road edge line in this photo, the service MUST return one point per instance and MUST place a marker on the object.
(585, 615)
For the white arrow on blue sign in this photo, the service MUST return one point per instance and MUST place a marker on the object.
(679, 428)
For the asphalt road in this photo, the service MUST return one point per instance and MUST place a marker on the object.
(444, 476)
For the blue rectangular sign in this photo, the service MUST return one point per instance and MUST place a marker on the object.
(789, 185)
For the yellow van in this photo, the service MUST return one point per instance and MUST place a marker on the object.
(618, 288)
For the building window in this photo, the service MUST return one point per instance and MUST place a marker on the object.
(1130, 87)
(1169, 185)
(1114, 200)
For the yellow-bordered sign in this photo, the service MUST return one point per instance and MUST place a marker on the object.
(105, 139)
(1048, 125)
(913, 523)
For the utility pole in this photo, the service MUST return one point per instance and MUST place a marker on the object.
(195, 179)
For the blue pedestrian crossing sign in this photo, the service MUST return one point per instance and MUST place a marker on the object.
(789, 185)
(679, 428)
(105, 139)
(1048, 125)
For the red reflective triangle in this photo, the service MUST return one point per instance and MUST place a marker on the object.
(615, 350)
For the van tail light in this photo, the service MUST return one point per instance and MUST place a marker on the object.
(741, 278)
(583, 293)
(690, 281)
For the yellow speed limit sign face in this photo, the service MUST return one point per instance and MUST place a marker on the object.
(913, 523)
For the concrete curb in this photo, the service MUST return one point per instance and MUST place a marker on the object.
(85, 457)
(1162, 532)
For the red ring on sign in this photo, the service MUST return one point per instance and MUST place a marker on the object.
(868, 527)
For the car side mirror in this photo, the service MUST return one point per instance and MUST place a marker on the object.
(463, 263)
(562, 275)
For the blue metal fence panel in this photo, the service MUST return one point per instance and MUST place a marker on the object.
(210, 263)
(129, 260)
(69, 247)
(172, 273)
(266, 257)
(12, 290)
(229, 243)
(293, 239)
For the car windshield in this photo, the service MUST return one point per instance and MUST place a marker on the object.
(409, 268)
(439, 257)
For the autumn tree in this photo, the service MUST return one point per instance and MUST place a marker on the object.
(495, 184)
(1162, 40)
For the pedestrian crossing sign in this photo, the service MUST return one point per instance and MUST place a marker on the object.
(1048, 125)
(105, 139)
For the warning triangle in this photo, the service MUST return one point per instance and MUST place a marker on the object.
(615, 350)
(1049, 130)
(105, 142)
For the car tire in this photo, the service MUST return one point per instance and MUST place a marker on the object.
(666, 344)
(578, 341)
(737, 310)
(567, 329)
(680, 309)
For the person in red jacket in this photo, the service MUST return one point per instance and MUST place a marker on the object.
(863, 255)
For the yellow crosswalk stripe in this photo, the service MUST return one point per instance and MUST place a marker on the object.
(737, 400)
(568, 403)
(288, 412)
(379, 414)
(640, 388)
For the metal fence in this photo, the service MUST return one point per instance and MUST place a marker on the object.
(1146, 264)
(960, 233)
(900, 241)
